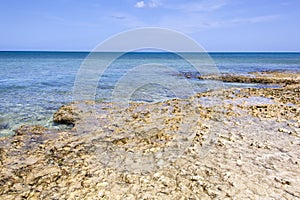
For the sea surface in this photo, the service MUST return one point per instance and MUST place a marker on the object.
(33, 85)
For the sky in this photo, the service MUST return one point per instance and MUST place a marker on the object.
(217, 25)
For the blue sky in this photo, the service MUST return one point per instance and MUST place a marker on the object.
(217, 25)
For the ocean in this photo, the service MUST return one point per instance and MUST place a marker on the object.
(33, 85)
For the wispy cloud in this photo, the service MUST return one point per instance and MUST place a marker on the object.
(154, 3)
(119, 17)
(195, 16)
(252, 20)
(203, 5)
(70, 22)
(199, 22)
(126, 20)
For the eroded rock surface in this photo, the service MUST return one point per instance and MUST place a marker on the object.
(281, 78)
(67, 114)
(245, 145)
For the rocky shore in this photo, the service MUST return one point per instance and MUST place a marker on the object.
(266, 77)
(229, 144)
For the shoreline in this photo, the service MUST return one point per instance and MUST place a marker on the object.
(259, 79)
(259, 139)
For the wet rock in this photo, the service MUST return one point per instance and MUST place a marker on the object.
(67, 114)
(30, 130)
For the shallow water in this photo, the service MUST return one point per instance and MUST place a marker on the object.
(33, 85)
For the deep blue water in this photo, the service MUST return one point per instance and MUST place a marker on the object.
(33, 85)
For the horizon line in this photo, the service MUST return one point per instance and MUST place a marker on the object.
(87, 51)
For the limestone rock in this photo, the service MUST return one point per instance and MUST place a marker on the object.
(67, 114)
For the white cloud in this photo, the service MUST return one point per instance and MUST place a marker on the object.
(149, 4)
(140, 4)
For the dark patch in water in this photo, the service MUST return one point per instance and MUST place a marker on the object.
(4, 126)
(190, 74)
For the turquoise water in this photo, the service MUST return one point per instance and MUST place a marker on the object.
(33, 85)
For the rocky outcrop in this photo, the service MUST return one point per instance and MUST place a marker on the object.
(280, 78)
(67, 114)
